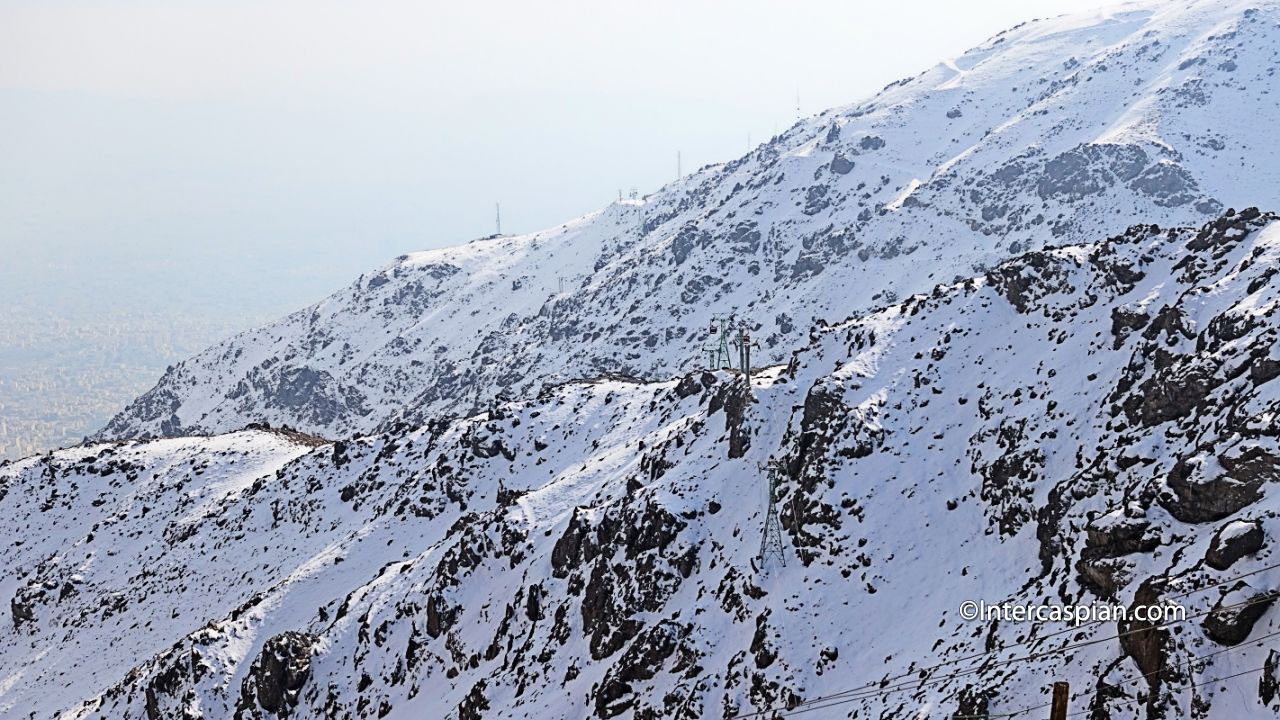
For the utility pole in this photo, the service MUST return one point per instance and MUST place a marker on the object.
(1060, 695)
(771, 538)
(497, 216)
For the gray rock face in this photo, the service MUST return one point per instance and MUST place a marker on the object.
(841, 165)
(1269, 683)
(1169, 184)
(1090, 169)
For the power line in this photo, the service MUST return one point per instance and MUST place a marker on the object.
(1192, 686)
(877, 688)
(1128, 681)
(1060, 632)
(1170, 598)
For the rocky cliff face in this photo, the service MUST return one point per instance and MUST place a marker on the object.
(1054, 132)
(1085, 422)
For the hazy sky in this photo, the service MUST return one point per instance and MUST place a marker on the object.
(231, 154)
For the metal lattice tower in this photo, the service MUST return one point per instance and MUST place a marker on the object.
(771, 546)
(719, 338)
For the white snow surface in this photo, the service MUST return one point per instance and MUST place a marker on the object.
(1022, 435)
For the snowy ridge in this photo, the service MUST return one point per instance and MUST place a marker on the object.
(1094, 421)
(1056, 131)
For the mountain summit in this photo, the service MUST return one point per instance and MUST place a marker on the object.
(1057, 131)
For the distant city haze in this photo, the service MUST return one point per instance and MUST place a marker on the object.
(171, 172)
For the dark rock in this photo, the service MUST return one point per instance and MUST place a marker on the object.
(734, 398)
(1233, 616)
(1105, 576)
(1263, 369)
(276, 677)
(1144, 641)
(1195, 499)
(1124, 322)
(1119, 536)
(474, 704)
(1170, 394)
(1269, 683)
(22, 611)
(1225, 551)
(641, 661)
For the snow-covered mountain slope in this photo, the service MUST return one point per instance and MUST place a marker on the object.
(1056, 131)
(1086, 422)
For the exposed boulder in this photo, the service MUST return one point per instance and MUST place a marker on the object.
(1232, 617)
(641, 661)
(1233, 542)
(1125, 322)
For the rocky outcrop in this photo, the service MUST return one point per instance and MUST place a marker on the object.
(1200, 492)
(22, 611)
(1233, 542)
(1145, 642)
(1106, 540)
(276, 677)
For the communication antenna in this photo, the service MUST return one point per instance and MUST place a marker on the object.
(497, 216)
(771, 546)
(797, 103)
(679, 171)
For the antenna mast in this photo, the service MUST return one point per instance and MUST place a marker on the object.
(497, 216)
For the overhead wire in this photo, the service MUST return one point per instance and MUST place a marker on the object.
(878, 688)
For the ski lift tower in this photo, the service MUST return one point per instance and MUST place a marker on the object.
(771, 547)
(719, 338)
